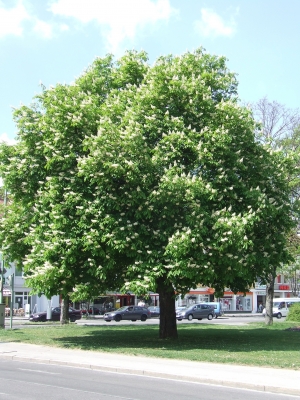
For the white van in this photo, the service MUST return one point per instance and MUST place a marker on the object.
(218, 308)
(281, 306)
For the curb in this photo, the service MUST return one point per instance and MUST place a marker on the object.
(146, 373)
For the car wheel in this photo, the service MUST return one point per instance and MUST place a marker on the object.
(190, 317)
(143, 318)
(72, 319)
(279, 315)
(210, 317)
(118, 318)
(179, 319)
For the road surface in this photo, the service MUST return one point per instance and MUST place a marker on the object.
(29, 381)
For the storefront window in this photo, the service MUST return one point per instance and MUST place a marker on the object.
(226, 304)
(21, 298)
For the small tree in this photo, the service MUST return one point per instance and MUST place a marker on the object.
(291, 271)
(277, 121)
(279, 129)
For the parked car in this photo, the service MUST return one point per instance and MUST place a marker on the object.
(42, 316)
(92, 310)
(128, 313)
(196, 311)
(154, 311)
(218, 308)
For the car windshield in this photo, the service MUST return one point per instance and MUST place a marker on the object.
(122, 308)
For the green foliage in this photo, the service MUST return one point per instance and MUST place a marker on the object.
(290, 145)
(294, 313)
(42, 229)
(137, 174)
(184, 190)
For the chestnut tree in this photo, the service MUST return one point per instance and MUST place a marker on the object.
(145, 178)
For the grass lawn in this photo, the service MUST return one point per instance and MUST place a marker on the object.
(252, 344)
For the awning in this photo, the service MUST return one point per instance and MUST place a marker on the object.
(6, 292)
(201, 291)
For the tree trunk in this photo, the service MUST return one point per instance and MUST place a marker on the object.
(269, 299)
(64, 312)
(167, 322)
(294, 284)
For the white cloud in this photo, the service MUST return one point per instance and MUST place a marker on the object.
(64, 27)
(43, 28)
(211, 24)
(5, 138)
(119, 19)
(11, 19)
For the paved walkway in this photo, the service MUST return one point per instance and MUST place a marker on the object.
(261, 379)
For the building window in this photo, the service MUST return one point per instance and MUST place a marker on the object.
(18, 272)
(21, 299)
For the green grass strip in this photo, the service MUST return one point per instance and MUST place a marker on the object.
(252, 344)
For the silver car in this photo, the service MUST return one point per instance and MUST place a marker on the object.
(196, 311)
(129, 313)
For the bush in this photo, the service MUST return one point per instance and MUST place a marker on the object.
(294, 313)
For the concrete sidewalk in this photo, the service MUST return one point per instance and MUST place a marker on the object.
(255, 378)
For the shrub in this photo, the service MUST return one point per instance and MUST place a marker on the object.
(294, 313)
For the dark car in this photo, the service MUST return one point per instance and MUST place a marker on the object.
(131, 313)
(42, 316)
(196, 311)
(154, 311)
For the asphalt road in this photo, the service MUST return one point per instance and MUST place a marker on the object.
(221, 320)
(227, 320)
(28, 381)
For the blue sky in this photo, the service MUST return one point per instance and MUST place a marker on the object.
(53, 41)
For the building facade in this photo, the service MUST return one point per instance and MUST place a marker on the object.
(251, 302)
(23, 302)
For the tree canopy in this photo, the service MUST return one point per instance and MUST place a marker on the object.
(279, 129)
(144, 178)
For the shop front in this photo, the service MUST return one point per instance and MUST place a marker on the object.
(6, 296)
(122, 300)
(237, 302)
(20, 300)
(195, 296)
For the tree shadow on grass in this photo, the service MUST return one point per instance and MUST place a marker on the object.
(191, 337)
(257, 345)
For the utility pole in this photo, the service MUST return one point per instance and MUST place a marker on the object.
(1, 280)
(2, 269)
(2, 272)
(11, 283)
